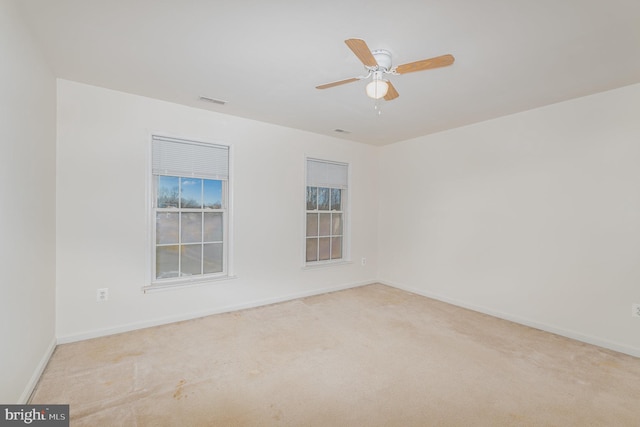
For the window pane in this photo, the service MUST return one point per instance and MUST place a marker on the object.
(324, 248)
(188, 209)
(191, 260)
(213, 258)
(336, 224)
(312, 198)
(166, 227)
(191, 192)
(312, 224)
(167, 192)
(191, 227)
(312, 249)
(336, 247)
(166, 262)
(325, 224)
(323, 199)
(326, 208)
(213, 227)
(336, 199)
(212, 194)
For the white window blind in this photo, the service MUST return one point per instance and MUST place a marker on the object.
(176, 157)
(321, 173)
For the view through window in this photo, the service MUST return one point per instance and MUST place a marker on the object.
(325, 210)
(190, 186)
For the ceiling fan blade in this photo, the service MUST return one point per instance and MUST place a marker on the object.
(338, 83)
(425, 64)
(392, 93)
(362, 51)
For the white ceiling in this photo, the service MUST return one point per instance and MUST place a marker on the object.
(266, 57)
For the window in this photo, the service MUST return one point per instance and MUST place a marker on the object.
(326, 212)
(190, 199)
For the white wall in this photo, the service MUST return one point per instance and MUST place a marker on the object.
(102, 223)
(533, 217)
(27, 208)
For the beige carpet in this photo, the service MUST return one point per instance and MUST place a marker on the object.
(370, 356)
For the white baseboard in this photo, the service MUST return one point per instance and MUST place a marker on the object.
(65, 339)
(621, 348)
(35, 377)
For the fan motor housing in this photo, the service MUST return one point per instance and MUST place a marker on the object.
(383, 58)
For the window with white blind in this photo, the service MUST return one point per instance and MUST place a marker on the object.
(326, 211)
(190, 186)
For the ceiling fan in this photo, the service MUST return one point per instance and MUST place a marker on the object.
(378, 63)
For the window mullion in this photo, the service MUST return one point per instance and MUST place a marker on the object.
(318, 224)
(202, 227)
(202, 240)
(179, 227)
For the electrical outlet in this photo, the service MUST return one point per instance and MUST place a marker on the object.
(635, 310)
(363, 261)
(102, 295)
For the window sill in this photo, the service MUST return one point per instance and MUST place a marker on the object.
(157, 287)
(326, 264)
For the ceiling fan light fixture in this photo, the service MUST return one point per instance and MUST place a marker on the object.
(377, 88)
(378, 63)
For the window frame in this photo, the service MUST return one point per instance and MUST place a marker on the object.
(152, 282)
(345, 211)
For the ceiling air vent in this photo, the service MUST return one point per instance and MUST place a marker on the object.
(213, 100)
(341, 131)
